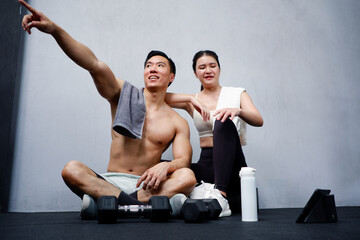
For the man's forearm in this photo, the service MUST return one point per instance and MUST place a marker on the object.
(178, 163)
(75, 50)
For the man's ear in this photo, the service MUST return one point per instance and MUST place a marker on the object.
(172, 77)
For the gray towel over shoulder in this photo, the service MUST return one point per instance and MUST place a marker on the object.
(130, 112)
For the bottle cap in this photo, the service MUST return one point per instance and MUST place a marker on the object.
(247, 171)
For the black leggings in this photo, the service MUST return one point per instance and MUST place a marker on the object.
(221, 164)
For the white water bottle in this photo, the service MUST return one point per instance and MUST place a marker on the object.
(248, 195)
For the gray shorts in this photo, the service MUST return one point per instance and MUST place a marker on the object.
(125, 182)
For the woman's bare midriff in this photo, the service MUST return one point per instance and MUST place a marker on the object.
(208, 142)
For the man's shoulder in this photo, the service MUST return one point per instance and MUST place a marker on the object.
(172, 112)
(175, 116)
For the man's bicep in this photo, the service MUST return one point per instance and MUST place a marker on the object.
(181, 144)
(107, 85)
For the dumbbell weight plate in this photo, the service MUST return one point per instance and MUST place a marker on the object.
(194, 210)
(107, 209)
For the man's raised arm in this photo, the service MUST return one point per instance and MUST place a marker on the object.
(108, 86)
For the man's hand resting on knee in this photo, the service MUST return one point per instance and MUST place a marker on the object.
(153, 177)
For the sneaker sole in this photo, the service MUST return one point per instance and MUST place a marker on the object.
(225, 213)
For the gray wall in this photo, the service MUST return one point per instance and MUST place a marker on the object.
(298, 60)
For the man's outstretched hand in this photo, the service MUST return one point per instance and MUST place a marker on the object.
(36, 19)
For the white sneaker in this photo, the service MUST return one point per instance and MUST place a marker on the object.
(176, 203)
(88, 208)
(208, 191)
(215, 193)
(200, 190)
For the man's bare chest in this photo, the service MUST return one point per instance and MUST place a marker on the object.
(159, 129)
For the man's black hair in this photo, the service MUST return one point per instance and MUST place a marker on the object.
(159, 53)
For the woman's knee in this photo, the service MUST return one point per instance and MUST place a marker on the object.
(222, 127)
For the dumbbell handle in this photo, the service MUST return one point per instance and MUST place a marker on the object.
(134, 208)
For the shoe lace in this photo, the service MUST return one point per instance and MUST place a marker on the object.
(206, 186)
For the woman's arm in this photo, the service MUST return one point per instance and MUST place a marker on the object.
(188, 103)
(247, 111)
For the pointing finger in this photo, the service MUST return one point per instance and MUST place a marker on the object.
(31, 9)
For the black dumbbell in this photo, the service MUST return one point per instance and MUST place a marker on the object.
(199, 210)
(214, 208)
(158, 210)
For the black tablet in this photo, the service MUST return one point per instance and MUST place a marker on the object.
(315, 197)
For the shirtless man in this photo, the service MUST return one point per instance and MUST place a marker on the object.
(139, 158)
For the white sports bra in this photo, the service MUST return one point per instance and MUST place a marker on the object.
(205, 129)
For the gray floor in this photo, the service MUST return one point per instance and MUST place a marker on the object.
(272, 224)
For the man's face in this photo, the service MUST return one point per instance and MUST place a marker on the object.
(157, 73)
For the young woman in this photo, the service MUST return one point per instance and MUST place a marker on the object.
(220, 115)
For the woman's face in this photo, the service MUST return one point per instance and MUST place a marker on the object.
(207, 71)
